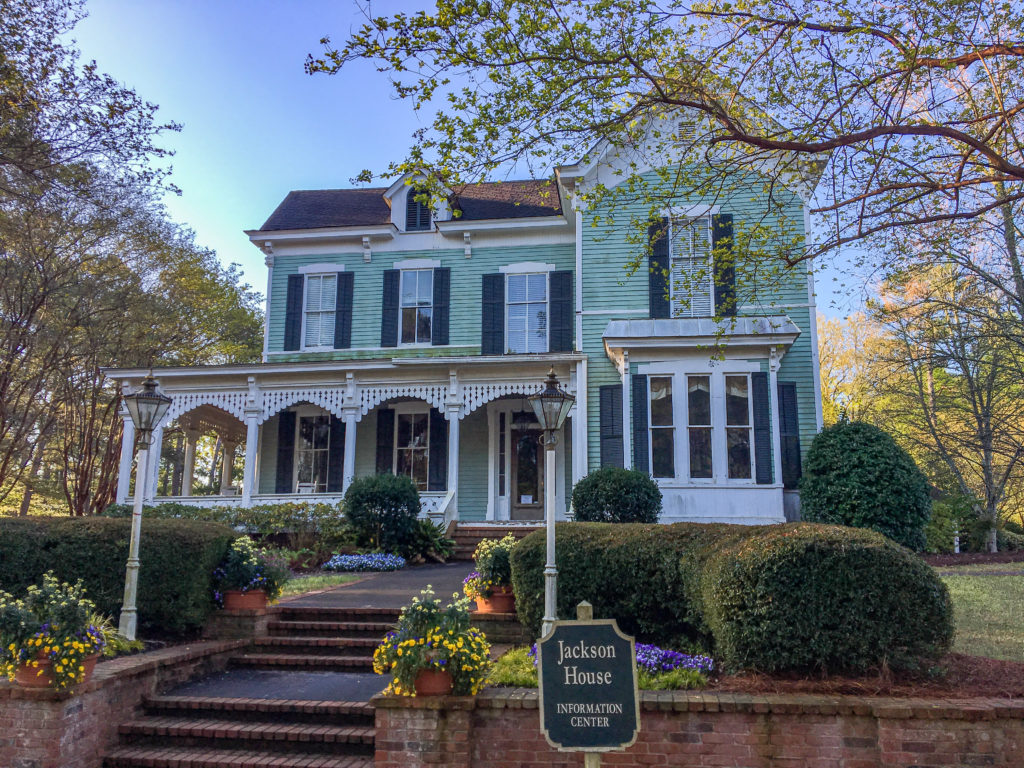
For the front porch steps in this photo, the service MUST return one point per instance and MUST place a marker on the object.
(468, 535)
(185, 731)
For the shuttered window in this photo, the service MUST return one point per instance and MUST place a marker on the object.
(319, 313)
(312, 446)
(416, 306)
(527, 312)
(412, 446)
(662, 426)
(691, 275)
(417, 213)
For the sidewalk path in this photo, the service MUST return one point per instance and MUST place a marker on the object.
(391, 589)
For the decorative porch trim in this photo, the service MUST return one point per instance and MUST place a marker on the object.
(371, 396)
(476, 395)
(183, 402)
(331, 399)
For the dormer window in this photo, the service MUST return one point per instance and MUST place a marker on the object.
(417, 213)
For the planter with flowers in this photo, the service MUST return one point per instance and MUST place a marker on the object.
(248, 577)
(47, 639)
(490, 585)
(434, 650)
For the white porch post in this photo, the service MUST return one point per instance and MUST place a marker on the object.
(153, 468)
(453, 459)
(124, 474)
(252, 435)
(188, 474)
(773, 394)
(348, 471)
(580, 448)
(627, 414)
(226, 467)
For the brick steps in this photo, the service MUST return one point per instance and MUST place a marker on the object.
(352, 646)
(326, 712)
(467, 536)
(334, 663)
(363, 616)
(231, 734)
(143, 757)
(373, 630)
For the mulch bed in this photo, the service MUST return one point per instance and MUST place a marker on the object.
(974, 558)
(959, 677)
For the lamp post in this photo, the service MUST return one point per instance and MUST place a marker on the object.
(146, 408)
(551, 404)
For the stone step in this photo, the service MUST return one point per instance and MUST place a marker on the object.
(275, 710)
(150, 757)
(229, 734)
(364, 629)
(348, 615)
(308, 663)
(318, 646)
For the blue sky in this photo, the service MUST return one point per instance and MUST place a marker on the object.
(254, 124)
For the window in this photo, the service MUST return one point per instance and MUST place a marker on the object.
(663, 440)
(698, 420)
(738, 426)
(691, 274)
(527, 301)
(312, 444)
(321, 302)
(416, 306)
(412, 446)
(417, 214)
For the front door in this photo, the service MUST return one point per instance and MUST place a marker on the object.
(527, 475)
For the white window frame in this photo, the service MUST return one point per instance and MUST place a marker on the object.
(409, 409)
(674, 428)
(547, 305)
(749, 427)
(306, 311)
(713, 427)
(401, 277)
(677, 310)
(300, 414)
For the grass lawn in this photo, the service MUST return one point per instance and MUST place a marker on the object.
(989, 611)
(299, 585)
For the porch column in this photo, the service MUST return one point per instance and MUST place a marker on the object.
(348, 471)
(155, 449)
(252, 435)
(452, 414)
(124, 474)
(580, 448)
(227, 465)
(188, 474)
(773, 394)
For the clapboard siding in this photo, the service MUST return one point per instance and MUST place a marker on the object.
(268, 456)
(473, 452)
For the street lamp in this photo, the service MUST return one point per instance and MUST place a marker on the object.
(551, 404)
(147, 409)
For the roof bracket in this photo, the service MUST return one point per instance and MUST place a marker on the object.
(367, 254)
(467, 244)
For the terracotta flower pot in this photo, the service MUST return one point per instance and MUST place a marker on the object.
(237, 600)
(29, 677)
(433, 682)
(502, 600)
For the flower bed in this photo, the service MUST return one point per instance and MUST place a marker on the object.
(372, 562)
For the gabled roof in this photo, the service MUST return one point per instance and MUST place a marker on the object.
(329, 208)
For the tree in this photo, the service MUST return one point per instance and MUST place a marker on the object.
(913, 111)
(846, 348)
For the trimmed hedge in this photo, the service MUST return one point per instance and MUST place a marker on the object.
(382, 513)
(616, 495)
(177, 557)
(786, 597)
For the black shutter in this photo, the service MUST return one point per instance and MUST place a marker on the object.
(611, 425)
(284, 481)
(343, 311)
(762, 427)
(437, 462)
(389, 309)
(641, 457)
(789, 427)
(560, 314)
(336, 456)
(725, 264)
(492, 318)
(417, 214)
(657, 235)
(385, 441)
(293, 313)
(442, 299)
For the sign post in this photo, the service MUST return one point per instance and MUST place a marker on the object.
(588, 686)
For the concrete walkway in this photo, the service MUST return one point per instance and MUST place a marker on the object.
(392, 589)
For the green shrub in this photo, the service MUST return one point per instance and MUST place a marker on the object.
(616, 495)
(382, 512)
(950, 517)
(177, 559)
(812, 598)
(853, 599)
(856, 475)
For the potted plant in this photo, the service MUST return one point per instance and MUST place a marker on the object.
(248, 578)
(490, 585)
(434, 650)
(47, 638)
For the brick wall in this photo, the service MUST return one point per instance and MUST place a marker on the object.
(44, 729)
(500, 729)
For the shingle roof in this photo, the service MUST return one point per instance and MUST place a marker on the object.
(328, 208)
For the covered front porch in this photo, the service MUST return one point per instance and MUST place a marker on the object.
(268, 434)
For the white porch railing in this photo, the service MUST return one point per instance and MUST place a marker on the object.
(434, 505)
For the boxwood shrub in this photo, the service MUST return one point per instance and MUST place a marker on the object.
(175, 577)
(772, 598)
(616, 495)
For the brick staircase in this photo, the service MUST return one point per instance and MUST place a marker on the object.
(468, 535)
(182, 731)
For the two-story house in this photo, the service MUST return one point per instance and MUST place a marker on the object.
(402, 337)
